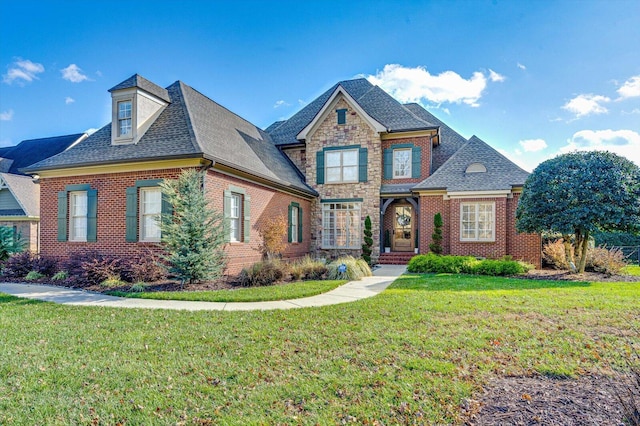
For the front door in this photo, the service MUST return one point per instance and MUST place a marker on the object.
(403, 228)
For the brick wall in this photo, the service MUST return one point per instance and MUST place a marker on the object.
(425, 159)
(429, 206)
(522, 246)
(330, 134)
(111, 224)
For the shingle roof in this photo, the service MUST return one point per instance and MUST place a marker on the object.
(139, 81)
(374, 101)
(26, 193)
(450, 140)
(501, 174)
(191, 126)
(32, 151)
(396, 188)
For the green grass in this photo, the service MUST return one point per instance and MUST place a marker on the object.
(254, 294)
(631, 270)
(409, 355)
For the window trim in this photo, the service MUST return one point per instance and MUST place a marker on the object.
(142, 213)
(244, 214)
(356, 241)
(476, 205)
(342, 166)
(394, 169)
(235, 231)
(121, 120)
(72, 195)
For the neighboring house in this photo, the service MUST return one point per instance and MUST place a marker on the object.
(353, 152)
(19, 194)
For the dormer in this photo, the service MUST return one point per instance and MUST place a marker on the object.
(135, 104)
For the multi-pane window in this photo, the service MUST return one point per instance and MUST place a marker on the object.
(341, 225)
(402, 163)
(341, 166)
(78, 216)
(124, 118)
(294, 223)
(150, 211)
(235, 212)
(477, 222)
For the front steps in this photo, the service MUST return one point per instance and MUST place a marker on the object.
(395, 258)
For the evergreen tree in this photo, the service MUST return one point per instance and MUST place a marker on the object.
(193, 234)
(367, 247)
(436, 245)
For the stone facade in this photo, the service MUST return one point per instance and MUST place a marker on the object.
(356, 131)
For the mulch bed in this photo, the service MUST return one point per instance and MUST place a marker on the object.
(554, 274)
(588, 400)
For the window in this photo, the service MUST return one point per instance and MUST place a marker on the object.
(342, 166)
(124, 118)
(234, 217)
(477, 222)
(78, 216)
(150, 211)
(402, 163)
(295, 223)
(341, 225)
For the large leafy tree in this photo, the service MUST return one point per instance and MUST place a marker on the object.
(578, 193)
(193, 233)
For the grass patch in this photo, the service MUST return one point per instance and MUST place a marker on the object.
(631, 270)
(287, 291)
(407, 356)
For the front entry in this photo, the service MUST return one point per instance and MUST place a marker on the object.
(403, 238)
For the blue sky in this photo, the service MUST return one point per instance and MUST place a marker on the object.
(533, 78)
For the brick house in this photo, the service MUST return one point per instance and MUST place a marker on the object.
(351, 153)
(19, 194)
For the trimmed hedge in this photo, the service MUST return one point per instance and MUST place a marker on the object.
(439, 264)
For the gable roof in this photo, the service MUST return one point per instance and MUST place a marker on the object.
(450, 140)
(377, 103)
(31, 151)
(139, 81)
(25, 192)
(191, 126)
(501, 174)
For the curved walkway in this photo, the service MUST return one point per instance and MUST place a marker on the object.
(349, 292)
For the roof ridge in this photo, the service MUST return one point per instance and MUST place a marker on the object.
(474, 137)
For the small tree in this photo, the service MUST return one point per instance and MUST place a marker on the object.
(579, 193)
(10, 243)
(436, 237)
(273, 234)
(193, 234)
(367, 247)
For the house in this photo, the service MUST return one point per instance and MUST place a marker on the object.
(19, 194)
(353, 152)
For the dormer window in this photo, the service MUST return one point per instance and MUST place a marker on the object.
(476, 168)
(124, 118)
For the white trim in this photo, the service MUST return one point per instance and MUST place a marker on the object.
(328, 106)
(477, 214)
(393, 163)
(341, 166)
(477, 194)
(72, 218)
(141, 199)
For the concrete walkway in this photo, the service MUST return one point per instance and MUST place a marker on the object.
(349, 292)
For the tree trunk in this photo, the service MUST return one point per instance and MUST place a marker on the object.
(566, 241)
(583, 253)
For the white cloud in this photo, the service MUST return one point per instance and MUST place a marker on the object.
(6, 115)
(91, 130)
(417, 85)
(583, 105)
(522, 67)
(280, 103)
(533, 145)
(621, 142)
(525, 163)
(69, 100)
(73, 73)
(301, 102)
(630, 88)
(23, 70)
(495, 77)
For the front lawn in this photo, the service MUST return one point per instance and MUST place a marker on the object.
(287, 291)
(409, 355)
(631, 270)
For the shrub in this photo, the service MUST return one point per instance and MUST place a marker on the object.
(607, 261)
(34, 276)
(138, 287)
(500, 267)
(146, 267)
(348, 268)
(10, 242)
(272, 234)
(466, 265)
(90, 267)
(307, 269)
(554, 255)
(60, 276)
(45, 265)
(262, 274)
(18, 265)
(112, 283)
(436, 245)
(368, 241)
